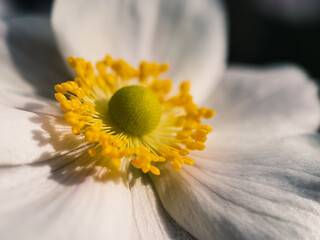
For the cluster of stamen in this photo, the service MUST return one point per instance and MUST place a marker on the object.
(179, 132)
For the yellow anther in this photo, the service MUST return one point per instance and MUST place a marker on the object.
(201, 132)
(96, 125)
(87, 118)
(209, 113)
(80, 93)
(164, 67)
(179, 121)
(135, 163)
(186, 141)
(86, 103)
(185, 87)
(128, 152)
(91, 136)
(155, 170)
(200, 138)
(146, 167)
(110, 79)
(206, 127)
(101, 67)
(143, 150)
(163, 149)
(200, 135)
(71, 62)
(89, 106)
(66, 105)
(159, 159)
(72, 118)
(176, 166)
(190, 125)
(116, 162)
(60, 97)
(67, 87)
(124, 70)
(151, 70)
(92, 152)
(188, 161)
(108, 60)
(175, 146)
(183, 135)
(184, 152)
(76, 104)
(76, 130)
(166, 86)
(59, 89)
(196, 146)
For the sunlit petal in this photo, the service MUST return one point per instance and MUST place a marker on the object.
(273, 101)
(189, 35)
(248, 190)
(64, 198)
(31, 137)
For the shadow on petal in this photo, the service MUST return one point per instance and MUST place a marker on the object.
(70, 163)
(149, 214)
(34, 53)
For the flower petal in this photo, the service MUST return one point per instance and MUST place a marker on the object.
(152, 221)
(29, 60)
(64, 198)
(265, 101)
(248, 190)
(30, 137)
(29, 102)
(190, 35)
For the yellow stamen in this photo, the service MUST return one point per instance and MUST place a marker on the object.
(139, 123)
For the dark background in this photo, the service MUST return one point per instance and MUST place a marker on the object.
(256, 37)
(259, 38)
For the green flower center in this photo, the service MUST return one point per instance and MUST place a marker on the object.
(135, 110)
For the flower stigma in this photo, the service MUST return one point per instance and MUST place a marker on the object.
(135, 109)
(128, 114)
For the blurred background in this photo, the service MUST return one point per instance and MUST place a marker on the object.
(260, 31)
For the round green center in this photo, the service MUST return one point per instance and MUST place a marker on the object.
(135, 110)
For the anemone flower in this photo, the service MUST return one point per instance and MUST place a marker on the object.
(258, 178)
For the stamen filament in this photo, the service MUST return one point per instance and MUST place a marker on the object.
(170, 137)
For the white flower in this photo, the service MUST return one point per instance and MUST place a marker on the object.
(257, 179)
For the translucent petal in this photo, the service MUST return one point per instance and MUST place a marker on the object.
(190, 35)
(248, 189)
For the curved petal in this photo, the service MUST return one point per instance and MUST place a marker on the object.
(31, 137)
(6, 9)
(248, 190)
(151, 220)
(273, 101)
(29, 102)
(29, 60)
(64, 198)
(190, 35)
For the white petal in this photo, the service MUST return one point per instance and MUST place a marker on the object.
(151, 220)
(190, 35)
(30, 137)
(64, 198)
(30, 102)
(6, 9)
(265, 101)
(248, 190)
(29, 60)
